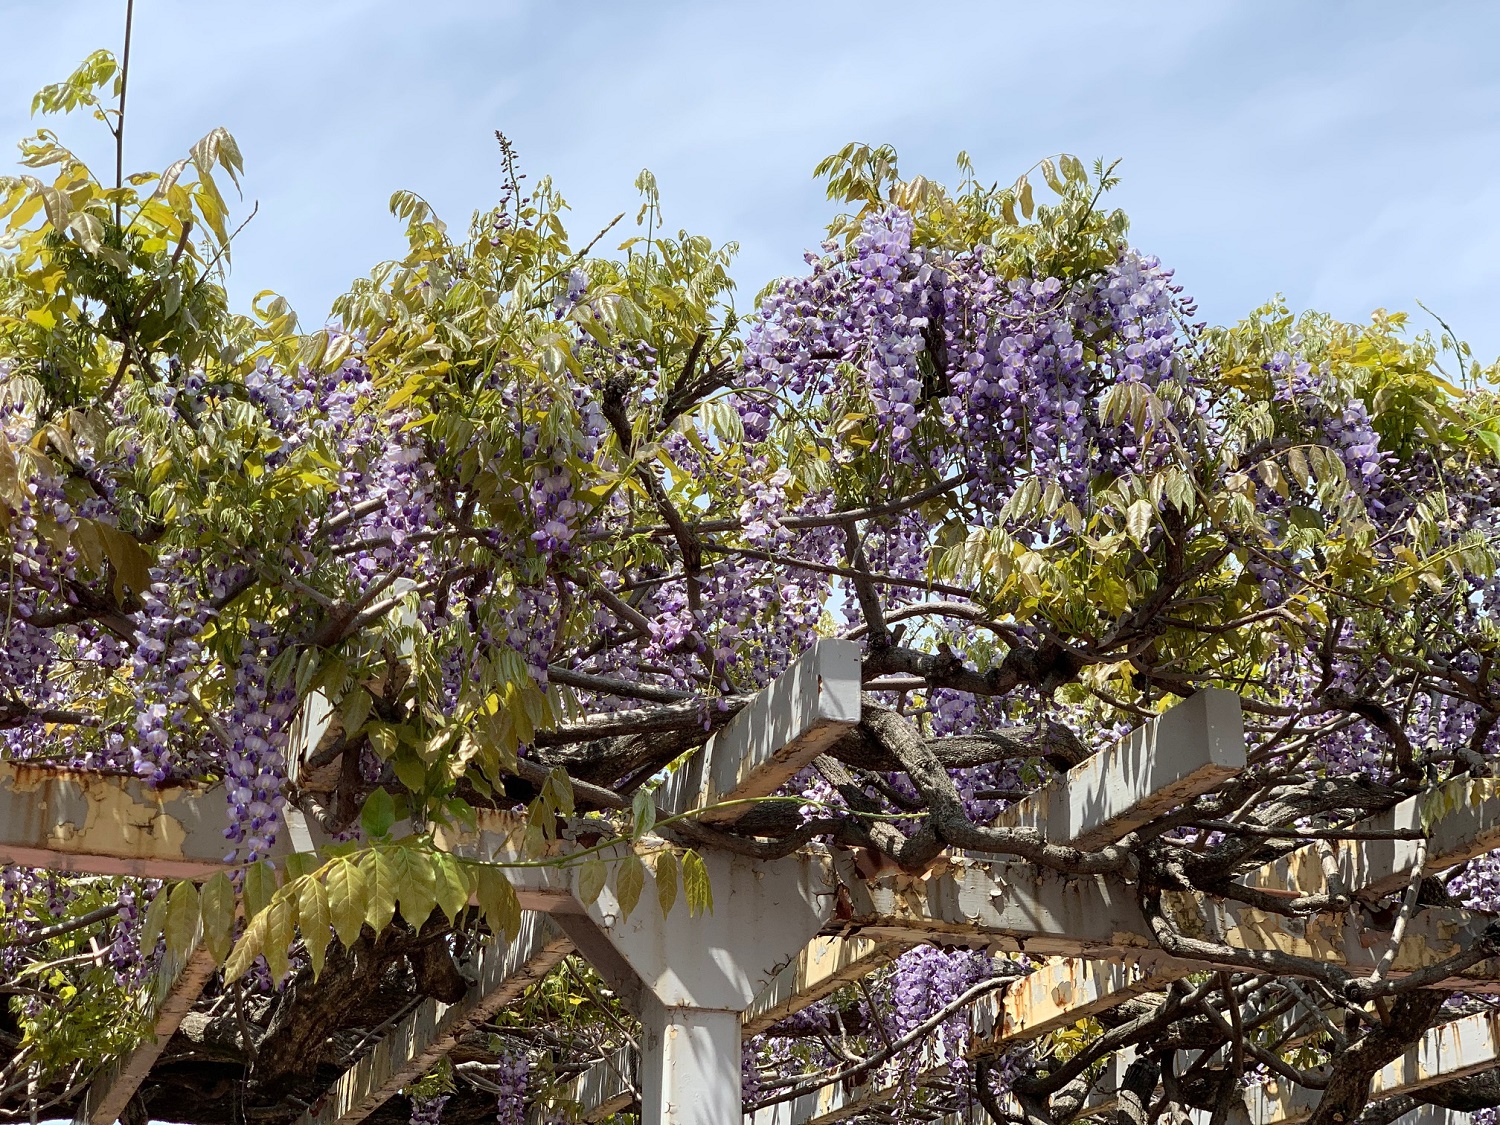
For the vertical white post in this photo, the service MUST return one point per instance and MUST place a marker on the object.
(690, 1066)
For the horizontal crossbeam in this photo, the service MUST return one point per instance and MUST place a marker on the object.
(1018, 907)
(1186, 751)
(1464, 822)
(1466, 1046)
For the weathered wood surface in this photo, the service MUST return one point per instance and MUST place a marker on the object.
(501, 973)
(179, 982)
(825, 966)
(790, 722)
(1018, 907)
(1190, 749)
(1465, 824)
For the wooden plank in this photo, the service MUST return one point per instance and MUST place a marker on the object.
(1017, 907)
(1188, 750)
(502, 972)
(791, 721)
(1066, 990)
(1453, 1050)
(178, 984)
(825, 966)
(105, 824)
(1465, 823)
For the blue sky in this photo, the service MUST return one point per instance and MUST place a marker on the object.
(1345, 154)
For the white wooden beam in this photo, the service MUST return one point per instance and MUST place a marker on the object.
(821, 969)
(1466, 1046)
(1188, 750)
(179, 981)
(1465, 823)
(1017, 907)
(790, 722)
(501, 973)
(106, 824)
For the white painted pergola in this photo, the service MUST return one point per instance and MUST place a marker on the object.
(774, 942)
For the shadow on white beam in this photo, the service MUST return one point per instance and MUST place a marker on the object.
(1017, 907)
(1458, 1049)
(801, 713)
(1188, 750)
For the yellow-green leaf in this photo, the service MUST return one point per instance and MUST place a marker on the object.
(695, 885)
(315, 920)
(591, 877)
(497, 898)
(250, 946)
(380, 878)
(666, 880)
(454, 885)
(259, 886)
(416, 884)
(630, 877)
(217, 904)
(348, 899)
(279, 935)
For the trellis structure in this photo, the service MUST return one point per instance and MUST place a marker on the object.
(788, 932)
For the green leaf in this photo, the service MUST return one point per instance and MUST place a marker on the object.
(259, 887)
(643, 813)
(378, 815)
(497, 898)
(156, 918)
(666, 880)
(454, 885)
(217, 904)
(410, 770)
(561, 787)
(1138, 519)
(348, 899)
(630, 877)
(280, 933)
(380, 877)
(315, 920)
(695, 885)
(247, 949)
(181, 924)
(591, 877)
(416, 884)
(356, 709)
